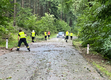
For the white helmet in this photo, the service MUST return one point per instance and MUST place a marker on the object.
(32, 30)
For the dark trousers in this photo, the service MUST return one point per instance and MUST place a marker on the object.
(24, 41)
(71, 37)
(33, 39)
(67, 38)
(48, 36)
(45, 37)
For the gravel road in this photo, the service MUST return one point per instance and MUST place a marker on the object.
(48, 60)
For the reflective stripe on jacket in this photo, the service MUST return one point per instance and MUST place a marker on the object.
(22, 35)
(33, 34)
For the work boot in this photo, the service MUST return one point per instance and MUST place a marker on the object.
(17, 49)
(28, 49)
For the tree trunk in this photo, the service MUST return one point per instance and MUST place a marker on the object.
(61, 10)
(48, 7)
(14, 24)
(61, 15)
(34, 7)
(38, 7)
(29, 3)
(22, 3)
(41, 11)
(65, 18)
(70, 23)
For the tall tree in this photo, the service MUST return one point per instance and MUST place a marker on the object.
(14, 13)
(22, 3)
(34, 6)
(38, 7)
(29, 3)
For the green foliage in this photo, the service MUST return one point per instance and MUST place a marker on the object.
(5, 22)
(62, 26)
(94, 26)
(5, 8)
(23, 15)
(26, 20)
(48, 23)
(103, 69)
(30, 22)
(65, 5)
(5, 32)
(107, 44)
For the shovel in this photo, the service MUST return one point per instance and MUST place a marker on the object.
(12, 48)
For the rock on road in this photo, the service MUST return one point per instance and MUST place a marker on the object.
(48, 60)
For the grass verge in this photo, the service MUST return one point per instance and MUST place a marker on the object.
(103, 70)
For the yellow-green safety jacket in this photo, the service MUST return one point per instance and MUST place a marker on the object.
(45, 33)
(71, 34)
(22, 35)
(33, 34)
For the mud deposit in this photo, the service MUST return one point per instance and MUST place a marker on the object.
(48, 60)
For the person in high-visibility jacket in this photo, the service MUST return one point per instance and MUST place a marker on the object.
(48, 34)
(67, 34)
(22, 38)
(45, 34)
(33, 34)
(71, 35)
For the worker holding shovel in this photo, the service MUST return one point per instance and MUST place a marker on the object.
(22, 37)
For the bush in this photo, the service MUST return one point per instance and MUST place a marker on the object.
(62, 26)
(46, 24)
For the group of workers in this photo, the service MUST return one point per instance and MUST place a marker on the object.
(47, 34)
(67, 36)
(22, 38)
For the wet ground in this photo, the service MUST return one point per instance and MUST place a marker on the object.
(48, 60)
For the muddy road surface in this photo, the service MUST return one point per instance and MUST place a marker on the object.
(48, 60)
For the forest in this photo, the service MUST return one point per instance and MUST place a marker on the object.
(90, 20)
